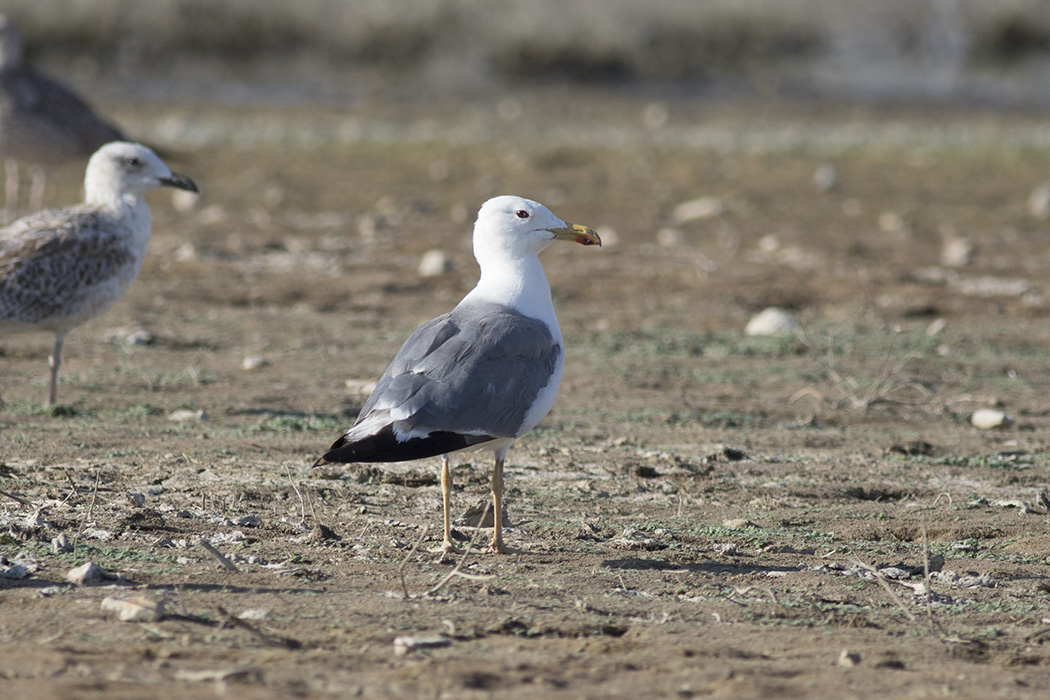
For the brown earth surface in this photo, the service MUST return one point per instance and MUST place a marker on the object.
(704, 513)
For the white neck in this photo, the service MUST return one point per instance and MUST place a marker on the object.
(519, 284)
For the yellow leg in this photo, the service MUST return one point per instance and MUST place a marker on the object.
(497, 509)
(446, 491)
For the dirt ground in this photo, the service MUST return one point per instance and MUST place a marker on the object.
(704, 513)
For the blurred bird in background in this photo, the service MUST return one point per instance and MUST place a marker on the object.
(42, 122)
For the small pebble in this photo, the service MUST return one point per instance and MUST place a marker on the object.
(669, 237)
(137, 498)
(255, 614)
(86, 574)
(184, 201)
(848, 659)
(891, 222)
(403, 645)
(700, 208)
(361, 387)
(825, 178)
(738, 523)
(435, 263)
(60, 544)
(990, 418)
(610, 237)
(936, 327)
(956, 252)
(771, 321)
(1039, 202)
(186, 415)
(252, 362)
(140, 608)
(15, 572)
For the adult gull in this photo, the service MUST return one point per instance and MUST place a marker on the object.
(62, 267)
(482, 375)
(42, 121)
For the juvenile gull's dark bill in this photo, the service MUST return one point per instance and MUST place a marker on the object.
(482, 375)
(62, 267)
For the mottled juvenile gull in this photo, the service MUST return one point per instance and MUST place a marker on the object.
(482, 375)
(62, 267)
(41, 121)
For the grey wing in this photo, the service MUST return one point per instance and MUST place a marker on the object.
(48, 259)
(465, 373)
(51, 120)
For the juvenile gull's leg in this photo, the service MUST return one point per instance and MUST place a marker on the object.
(55, 361)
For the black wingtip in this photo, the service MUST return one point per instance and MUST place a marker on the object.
(385, 447)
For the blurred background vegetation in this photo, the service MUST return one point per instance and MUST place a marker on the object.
(882, 50)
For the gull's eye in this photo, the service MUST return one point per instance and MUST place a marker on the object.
(521, 214)
(133, 161)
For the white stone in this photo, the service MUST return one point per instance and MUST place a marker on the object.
(255, 614)
(825, 177)
(435, 263)
(669, 237)
(891, 222)
(987, 287)
(86, 574)
(403, 645)
(990, 418)
(184, 201)
(186, 415)
(700, 208)
(956, 252)
(771, 321)
(253, 362)
(140, 608)
(610, 237)
(1039, 202)
(361, 387)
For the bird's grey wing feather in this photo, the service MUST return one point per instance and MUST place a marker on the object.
(48, 259)
(474, 370)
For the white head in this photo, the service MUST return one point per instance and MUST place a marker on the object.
(512, 228)
(119, 169)
(10, 43)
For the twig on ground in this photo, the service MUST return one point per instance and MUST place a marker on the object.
(218, 556)
(87, 515)
(888, 382)
(262, 636)
(15, 498)
(302, 502)
(886, 586)
(404, 562)
(455, 570)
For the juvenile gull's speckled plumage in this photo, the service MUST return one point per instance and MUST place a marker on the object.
(482, 375)
(62, 267)
(42, 122)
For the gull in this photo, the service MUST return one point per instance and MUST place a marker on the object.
(41, 121)
(62, 267)
(482, 375)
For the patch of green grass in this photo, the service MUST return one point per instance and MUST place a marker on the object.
(142, 410)
(1016, 461)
